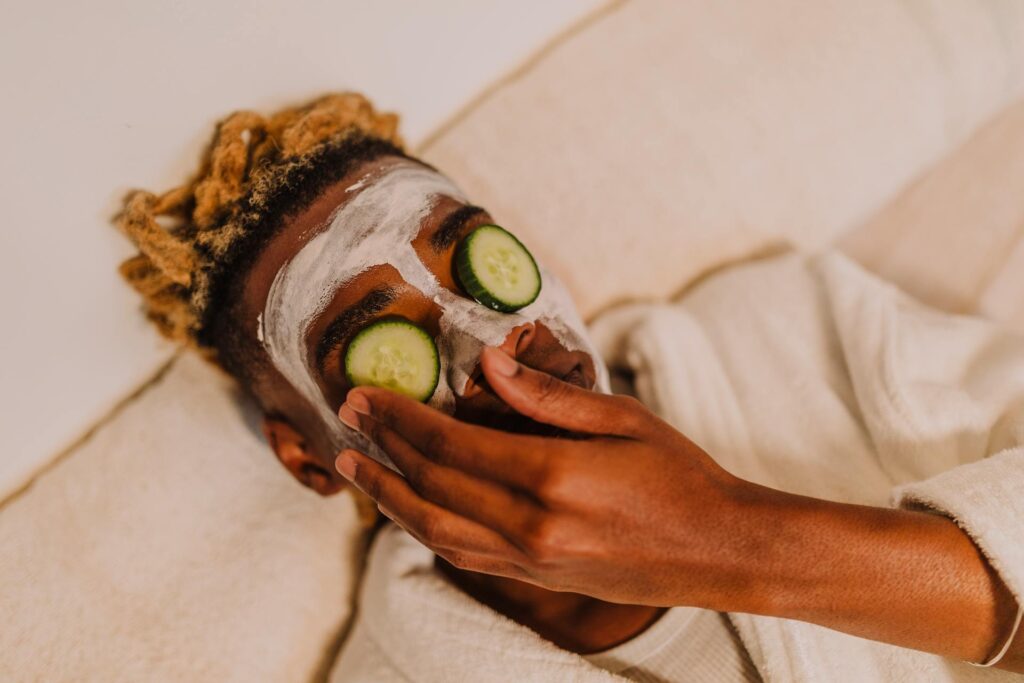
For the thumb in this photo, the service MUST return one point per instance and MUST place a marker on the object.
(545, 398)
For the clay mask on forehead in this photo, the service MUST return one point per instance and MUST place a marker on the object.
(377, 226)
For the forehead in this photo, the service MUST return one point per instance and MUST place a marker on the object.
(299, 229)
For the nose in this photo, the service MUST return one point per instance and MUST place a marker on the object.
(515, 344)
(519, 339)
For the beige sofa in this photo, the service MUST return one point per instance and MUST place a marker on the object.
(650, 144)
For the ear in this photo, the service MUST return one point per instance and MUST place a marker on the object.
(290, 448)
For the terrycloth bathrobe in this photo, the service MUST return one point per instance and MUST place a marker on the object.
(802, 373)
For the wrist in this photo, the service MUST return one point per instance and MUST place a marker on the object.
(794, 557)
(764, 532)
(805, 558)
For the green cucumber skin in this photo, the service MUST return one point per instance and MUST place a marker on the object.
(404, 323)
(471, 283)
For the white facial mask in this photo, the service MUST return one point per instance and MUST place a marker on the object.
(377, 226)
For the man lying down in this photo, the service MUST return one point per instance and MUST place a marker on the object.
(311, 255)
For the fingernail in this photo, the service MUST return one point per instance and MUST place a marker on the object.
(348, 416)
(503, 363)
(358, 403)
(346, 465)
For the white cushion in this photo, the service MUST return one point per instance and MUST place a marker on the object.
(955, 237)
(667, 138)
(172, 546)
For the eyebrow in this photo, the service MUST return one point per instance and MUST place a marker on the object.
(451, 227)
(351, 317)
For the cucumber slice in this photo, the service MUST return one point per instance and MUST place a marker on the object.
(395, 354)
(497, 270)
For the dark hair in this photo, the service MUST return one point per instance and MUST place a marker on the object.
(299, 187)
(194, 240)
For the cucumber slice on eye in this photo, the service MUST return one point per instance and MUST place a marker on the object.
(394, 354)
(497, 270)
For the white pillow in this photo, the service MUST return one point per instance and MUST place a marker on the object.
(955, 238)
(172, 546)
(667, 138)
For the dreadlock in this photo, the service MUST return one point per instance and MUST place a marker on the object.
(193, 240)
(256, 171)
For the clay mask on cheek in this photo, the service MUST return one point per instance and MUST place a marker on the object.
(377, 226)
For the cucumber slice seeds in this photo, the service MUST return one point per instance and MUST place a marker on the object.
(395, 354)
(497, 270)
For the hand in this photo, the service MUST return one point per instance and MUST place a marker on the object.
(631, 511)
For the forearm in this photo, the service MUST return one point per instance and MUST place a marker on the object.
(908, 578)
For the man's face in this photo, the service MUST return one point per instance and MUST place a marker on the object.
(380, 243)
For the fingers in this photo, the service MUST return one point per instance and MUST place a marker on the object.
(466, 559)
(547, 399)
(481, 564)
(518, 460)
(435, 527)
(488, 503)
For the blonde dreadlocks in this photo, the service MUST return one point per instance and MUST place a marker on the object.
(191, 235)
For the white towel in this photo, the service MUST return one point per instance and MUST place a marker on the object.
(812, 376)
(808, 375)
(413, 625)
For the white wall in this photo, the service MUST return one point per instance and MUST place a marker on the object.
(113, 94)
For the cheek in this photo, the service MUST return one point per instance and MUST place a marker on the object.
(466, 328)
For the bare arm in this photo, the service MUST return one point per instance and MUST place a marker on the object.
(908, 578)
(634, 512)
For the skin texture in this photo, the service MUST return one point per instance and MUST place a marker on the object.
(575, 622)
(632, 511)
(621, 506)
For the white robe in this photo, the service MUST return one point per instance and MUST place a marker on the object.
(806, 374)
